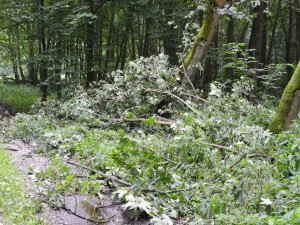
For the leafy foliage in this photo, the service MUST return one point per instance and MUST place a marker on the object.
(217, 162)
(20, 97)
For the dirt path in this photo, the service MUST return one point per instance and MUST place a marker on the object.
(26, 160)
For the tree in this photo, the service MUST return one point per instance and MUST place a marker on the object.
(202, 42)
(289, 105)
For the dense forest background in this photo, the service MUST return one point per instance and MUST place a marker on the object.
(55, 43)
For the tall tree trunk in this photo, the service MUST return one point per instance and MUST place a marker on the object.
(201, 44)
(32, 75)
(42, 51)
(149, 23)
(289, 105)
(57, 63)
(19, 54)
(13, 60)
(109, 38)
(269, 58)
(230, 39)
(258, 40)
(288, 43)
(99, 47)
(297, 12)
(90, 35)
(170, 37)
(133, 54)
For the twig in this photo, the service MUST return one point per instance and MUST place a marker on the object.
(168, 192)
(107, 206)
(12, 149)
(174, 96)
(219, 146)
(152, 150)
(84, 218)
(233, 165)
(100, 173)
(254, 155)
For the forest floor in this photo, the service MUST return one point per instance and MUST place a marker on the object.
(78, 210)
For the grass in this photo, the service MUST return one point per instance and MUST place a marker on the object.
(15, 206)
(20, 97)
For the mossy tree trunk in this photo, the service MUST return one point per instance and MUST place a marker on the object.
(289, 105)
(202, 42)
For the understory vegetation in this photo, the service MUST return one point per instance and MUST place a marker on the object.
(16, 206)
(213, 161)
(20, 97)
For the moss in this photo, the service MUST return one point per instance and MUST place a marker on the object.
(278, 124)
(202, 35)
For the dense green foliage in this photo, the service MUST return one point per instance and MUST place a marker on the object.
(20, 97)
(217, 162)
(198, 153)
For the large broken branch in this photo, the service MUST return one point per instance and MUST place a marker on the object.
(161, 122)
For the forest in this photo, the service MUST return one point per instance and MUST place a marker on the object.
(147, 112)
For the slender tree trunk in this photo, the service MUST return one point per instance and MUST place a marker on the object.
(42, 50)
(133, 54)
(288, 43)
(297, 12)
(58, 65)
(170, 37)
(149, 23)
(258, 41)
(32, 75)
(109, 39)
(19, 54)
(269, 58)
(99, 47)
(230, 39)
(13, 60)
(201, 43)
(90, 35)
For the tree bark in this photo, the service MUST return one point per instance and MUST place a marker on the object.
(170, 39)
(149, 23)
(288, 43)
(90, 35)
(42, 51)
(289, 105)
(109, 38)
(269, 58)
(230, 39)
(32, 75)
(19, 54)
(13, 60)
(202, 43)
(297, 12)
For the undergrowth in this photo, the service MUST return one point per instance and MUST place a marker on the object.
(16, 206)
(20, 97)
(213, 161)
